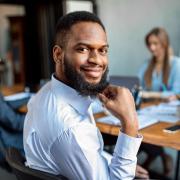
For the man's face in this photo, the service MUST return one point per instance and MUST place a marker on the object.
(85, 57)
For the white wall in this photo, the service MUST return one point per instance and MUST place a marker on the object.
(128, 21)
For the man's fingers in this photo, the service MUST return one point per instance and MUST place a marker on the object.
(103, 98)
(141, 170)
(142, 176)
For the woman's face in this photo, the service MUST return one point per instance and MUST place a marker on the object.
(155, 46)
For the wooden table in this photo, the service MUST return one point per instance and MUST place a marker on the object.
(5, 90)
(152, 134)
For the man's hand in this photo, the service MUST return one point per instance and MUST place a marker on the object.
(141, 173)
(119, 101)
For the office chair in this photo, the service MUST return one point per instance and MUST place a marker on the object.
(3, 163)
(130, 82)
(16, 162)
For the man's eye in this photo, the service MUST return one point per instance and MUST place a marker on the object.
(82, 49)
(103, 51)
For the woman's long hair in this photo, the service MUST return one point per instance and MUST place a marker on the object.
(164, 39)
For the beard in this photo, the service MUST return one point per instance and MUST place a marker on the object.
(77, 81)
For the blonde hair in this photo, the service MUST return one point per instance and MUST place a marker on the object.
(164, 39)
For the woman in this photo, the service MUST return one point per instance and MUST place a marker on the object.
(161, 73)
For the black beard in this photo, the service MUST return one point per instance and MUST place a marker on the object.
(76, 81)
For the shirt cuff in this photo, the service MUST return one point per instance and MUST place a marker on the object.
(127, 146)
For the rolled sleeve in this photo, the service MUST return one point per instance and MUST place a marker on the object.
(127, 146)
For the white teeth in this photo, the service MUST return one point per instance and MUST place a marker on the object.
(93, 69)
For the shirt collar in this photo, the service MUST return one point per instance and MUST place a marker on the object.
(70, 96)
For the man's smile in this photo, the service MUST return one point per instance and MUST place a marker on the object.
(94, 72)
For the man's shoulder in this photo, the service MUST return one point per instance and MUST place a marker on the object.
(43, 95)
(49, 108)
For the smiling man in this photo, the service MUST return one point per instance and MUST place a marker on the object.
(81, 57)
(60, 134)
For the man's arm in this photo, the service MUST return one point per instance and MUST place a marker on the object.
(78, 154)
(120, 103)
(80, 147)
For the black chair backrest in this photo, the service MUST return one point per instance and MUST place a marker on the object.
(126, 81)
(2, 148)
(130, 82)
(16, 162)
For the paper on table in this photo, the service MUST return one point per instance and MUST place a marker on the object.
(159, 110)
(172, 103)
(144, 120)
(18, 96)
(165, 112)
(109, 120)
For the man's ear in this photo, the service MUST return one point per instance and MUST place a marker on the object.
(57, 54)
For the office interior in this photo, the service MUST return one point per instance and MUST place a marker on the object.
(26, 40)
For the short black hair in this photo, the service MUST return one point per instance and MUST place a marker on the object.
(66, 22)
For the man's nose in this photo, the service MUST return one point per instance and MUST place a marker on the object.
(94, 57)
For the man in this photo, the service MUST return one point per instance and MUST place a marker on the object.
(60, 134)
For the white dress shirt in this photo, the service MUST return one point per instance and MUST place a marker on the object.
(61, 137)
